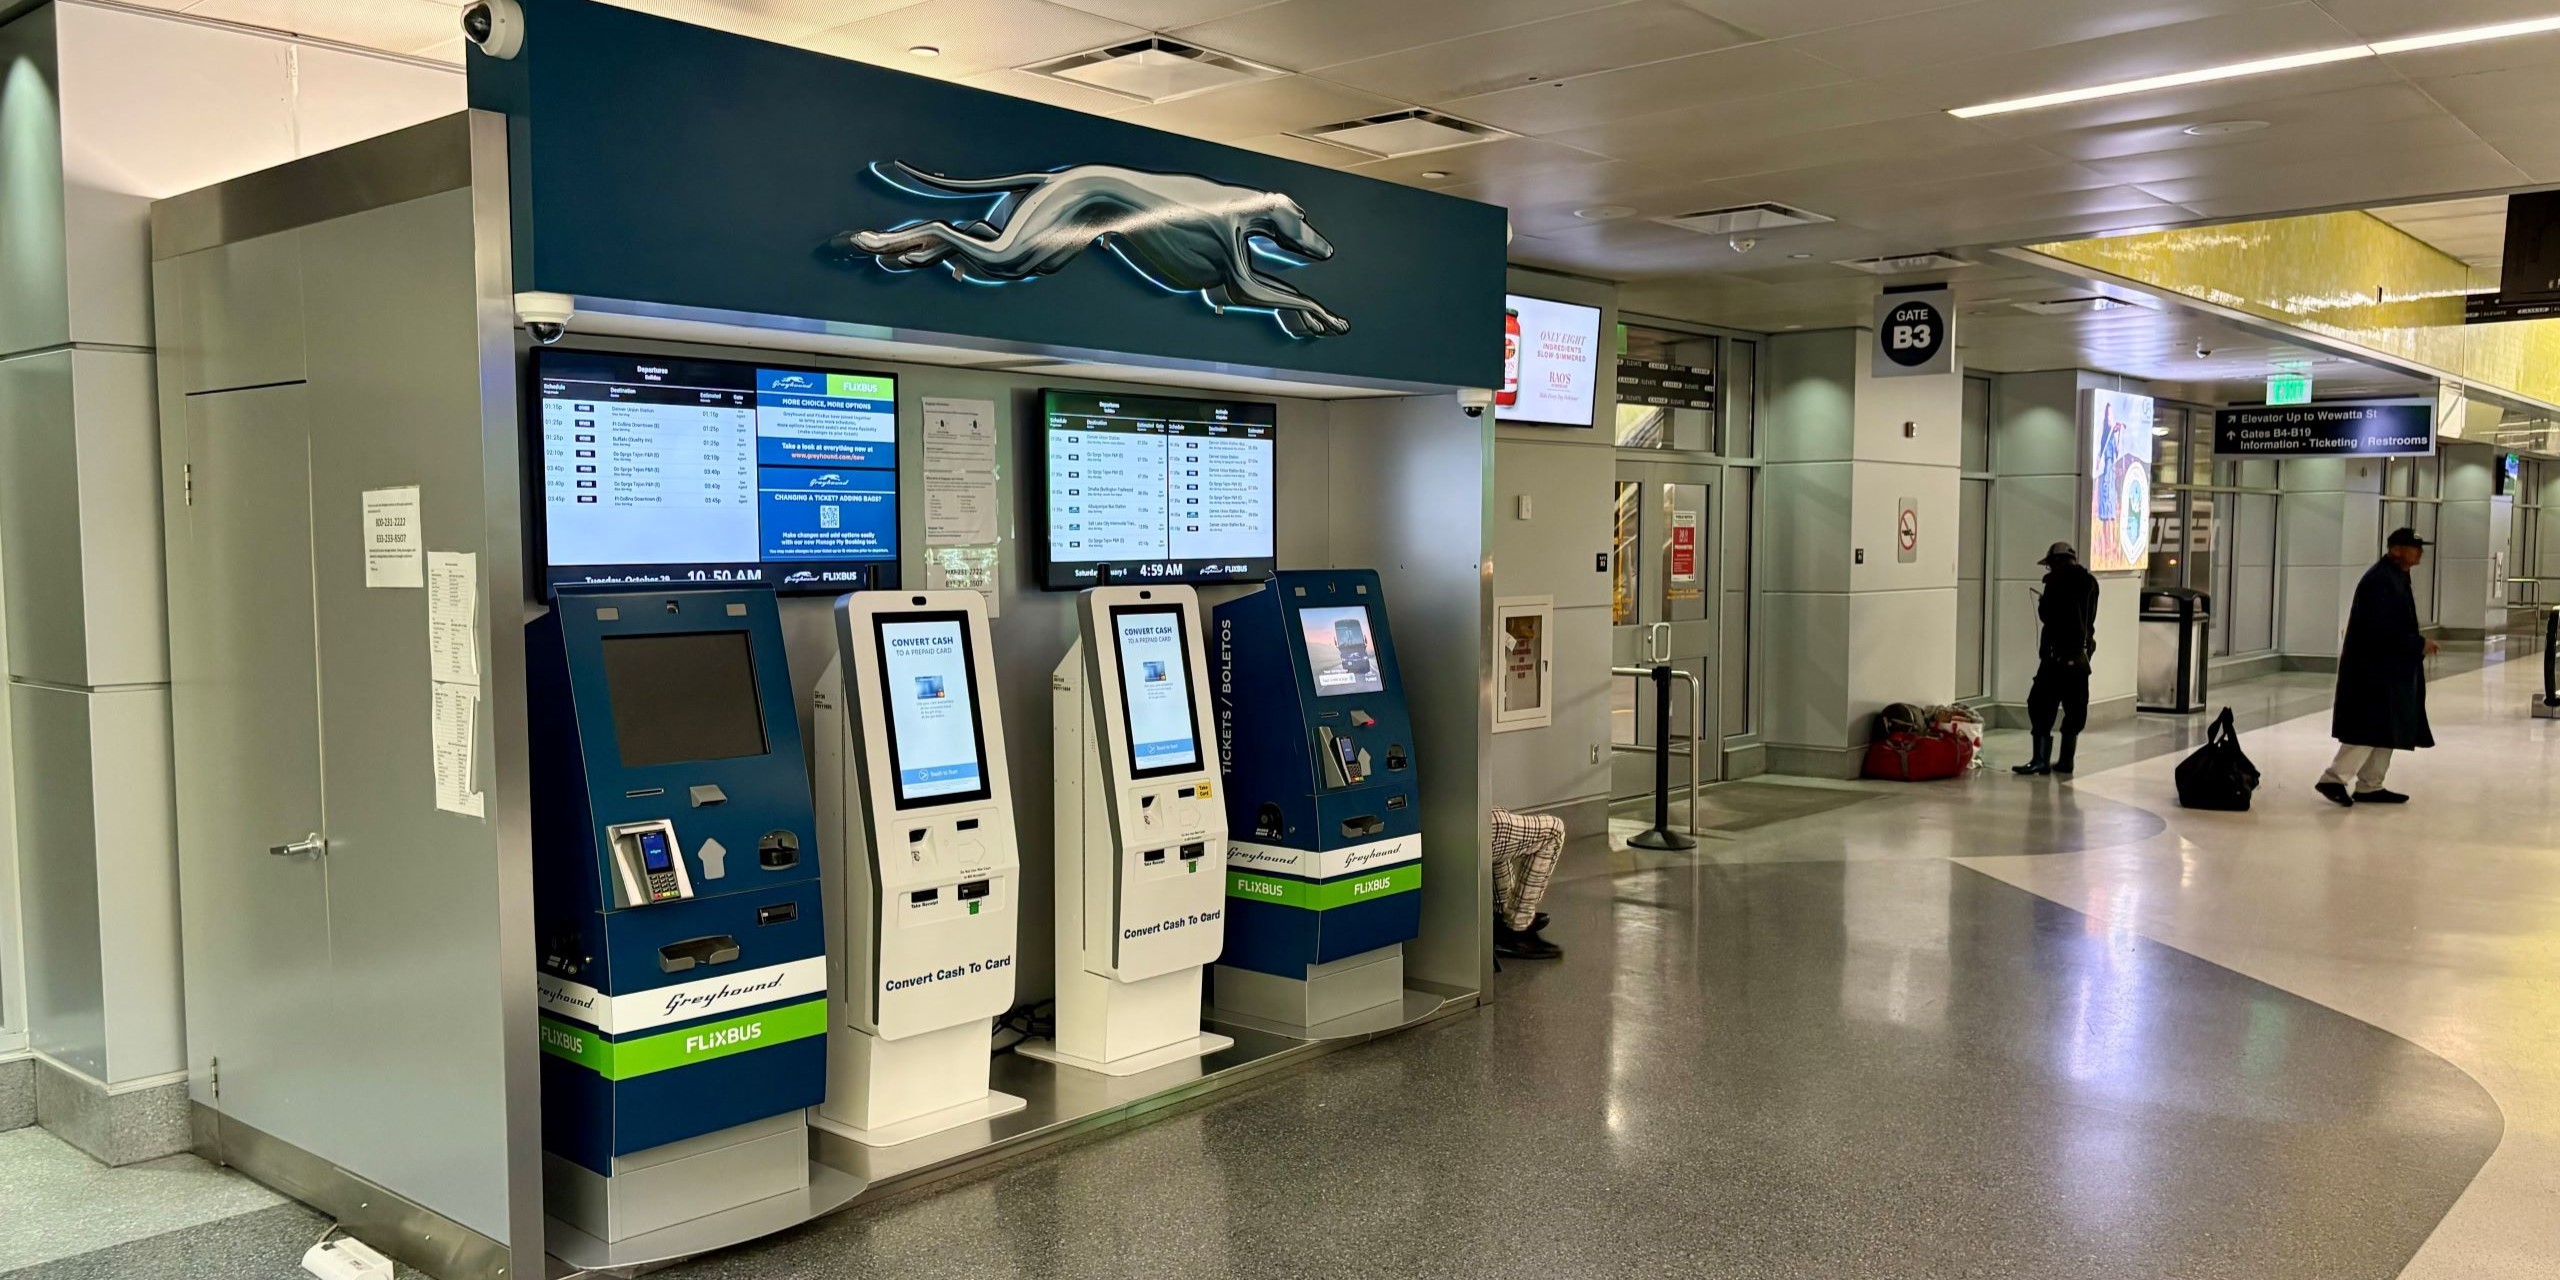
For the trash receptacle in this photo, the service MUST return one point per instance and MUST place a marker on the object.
(2170, 660)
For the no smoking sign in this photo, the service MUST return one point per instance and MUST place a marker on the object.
(1906, 532)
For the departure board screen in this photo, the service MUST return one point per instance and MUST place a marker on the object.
(664, 469)
(1157, 489)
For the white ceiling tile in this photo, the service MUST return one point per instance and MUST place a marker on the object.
(1051, 90)
(398, 26)
(2540, 51)
(1164, 15)
(2386, 19)
(1707, 155)
(1618, 36)
(1700, 79)
(1261, 106)
(2187, 46)
(1291, 147)
(1668, 139)
(1827, 188)
(2195, 103)
(1478, 162)
(2290, 122)
(1775, 19)
(973, 35)
(777, 20)
(2347, 148)
(2396, 169)
(1304, 34)
(1990, 27)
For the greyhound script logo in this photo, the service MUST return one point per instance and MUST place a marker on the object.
(1182, 233)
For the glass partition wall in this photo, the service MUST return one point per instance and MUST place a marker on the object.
(2213, 523)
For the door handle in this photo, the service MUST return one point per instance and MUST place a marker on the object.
(310, 846)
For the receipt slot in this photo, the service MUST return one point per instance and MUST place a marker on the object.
(683, 973)
(922, 871)
(1141, 839)
(1324, 876)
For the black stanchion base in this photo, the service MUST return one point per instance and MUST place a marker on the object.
(1661, 838)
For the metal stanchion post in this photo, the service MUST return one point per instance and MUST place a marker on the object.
(1662, 836)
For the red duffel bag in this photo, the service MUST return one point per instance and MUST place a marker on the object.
(1904, 756)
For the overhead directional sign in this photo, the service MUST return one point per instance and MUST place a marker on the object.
(2336, 428)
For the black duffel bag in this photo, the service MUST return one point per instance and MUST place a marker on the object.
(2218, 775)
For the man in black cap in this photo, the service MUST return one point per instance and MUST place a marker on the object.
(2068, 608)
(2381, 705)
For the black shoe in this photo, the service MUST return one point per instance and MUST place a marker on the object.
(1537, 922)
(2063, 766)
(2380, 796)
(1513, 944)
(2031, 769)
(2337, 793)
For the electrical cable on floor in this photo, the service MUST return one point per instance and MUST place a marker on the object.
(1025, 1024)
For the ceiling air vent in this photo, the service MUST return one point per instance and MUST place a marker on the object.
(1744, 217)
(1896, 264)
(1153, 70)
(1402, 133)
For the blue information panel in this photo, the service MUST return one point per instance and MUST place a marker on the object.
(2348, 428)
(664, 469)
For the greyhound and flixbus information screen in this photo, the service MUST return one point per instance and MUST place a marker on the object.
(673, 469)
(1157, 489)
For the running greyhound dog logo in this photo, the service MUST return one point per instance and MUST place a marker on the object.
(1183, 233)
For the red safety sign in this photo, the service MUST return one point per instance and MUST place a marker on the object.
(1910, 532)
(1684, 547)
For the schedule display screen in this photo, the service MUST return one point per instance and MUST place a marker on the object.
(928, 682)
(666, 469)
(1158, 489)
(1155, 689)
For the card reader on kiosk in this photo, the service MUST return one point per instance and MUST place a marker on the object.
(1324, 873)
(1141, 839)
(683, 979)
(922, 871)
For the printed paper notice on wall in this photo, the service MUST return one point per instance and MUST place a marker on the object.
(455, 713)
(394, 546)
(453, 608)
(1684, 546)
(962, 536)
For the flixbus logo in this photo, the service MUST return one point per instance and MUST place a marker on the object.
(568, 1042)
(725, 1038)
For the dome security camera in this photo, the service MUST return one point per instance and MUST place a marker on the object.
(496, 26)
(545, 316)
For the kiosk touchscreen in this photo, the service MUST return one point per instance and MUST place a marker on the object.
(1141, 838)
(1324, 875)
(683, 973)
(922, 872)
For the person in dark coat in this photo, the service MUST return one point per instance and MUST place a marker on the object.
(2381, 705)
(2068, 610)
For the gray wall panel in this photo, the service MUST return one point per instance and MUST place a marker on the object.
(50, 753)
(34, 276)
(40, 519)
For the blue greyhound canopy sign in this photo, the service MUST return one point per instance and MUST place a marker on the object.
(659, 167)
(1181, 232)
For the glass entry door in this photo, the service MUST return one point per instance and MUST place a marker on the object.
(1664, 577)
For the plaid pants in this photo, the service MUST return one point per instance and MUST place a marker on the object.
(1525, 849)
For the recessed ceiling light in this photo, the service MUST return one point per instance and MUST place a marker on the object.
(1603, 212)
(925, 50)
(1401, 133)
(1795, 326)
(1435, 174)
(2265, 66)
(2218, 128)
(1799, 256)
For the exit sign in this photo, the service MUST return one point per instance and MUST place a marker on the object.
(2288, 388)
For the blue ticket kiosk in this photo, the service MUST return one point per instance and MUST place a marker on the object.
(1324, 857)
(683, 953)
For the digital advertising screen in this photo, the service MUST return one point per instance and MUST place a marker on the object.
(928, 683)
(1158, 489)
(1342, 654)
(2119, 481)
(1162, 722)
(666, 469)
(1551, 365)
(683, 697)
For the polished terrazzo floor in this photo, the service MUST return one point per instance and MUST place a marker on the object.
(1991, 1027)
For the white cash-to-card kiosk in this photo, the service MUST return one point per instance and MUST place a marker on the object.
(922, 873)
(1141, 835)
